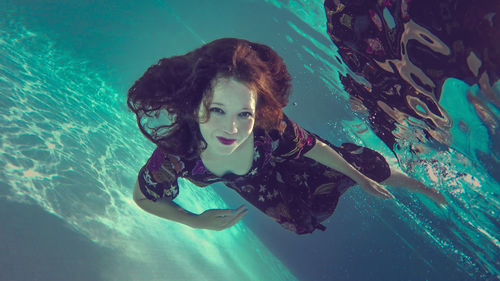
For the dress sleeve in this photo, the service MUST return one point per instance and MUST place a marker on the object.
(293, 141)
(158, 178)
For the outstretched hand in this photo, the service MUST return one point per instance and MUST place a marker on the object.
(374, 188)
(219, 219)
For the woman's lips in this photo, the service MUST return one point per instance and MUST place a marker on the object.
(225, 141)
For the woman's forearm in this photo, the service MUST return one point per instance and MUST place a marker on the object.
(165, 208)
(169, 210)
(327, 156)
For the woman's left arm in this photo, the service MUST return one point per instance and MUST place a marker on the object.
(327, 156)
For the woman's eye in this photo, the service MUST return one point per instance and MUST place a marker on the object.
(246, 114)
(216, 110)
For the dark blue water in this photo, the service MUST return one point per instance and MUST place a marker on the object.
(70, 153)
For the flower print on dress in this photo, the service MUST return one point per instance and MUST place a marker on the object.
(164, 175)
(256, 154)
(171, 192)
(274, 144)
(374, 46)
(157, 189)
(279, 178)
(164, 168)
(301, 179)
(169, 170)
(279, 213)
(346, 20)
(288, 226)
(376, 20)
(269, 195)
(148, 179)
(404, 9)
(275, 193)
(325, 188)
(253, 172)
(176, 163)
(301, 140)
(248, 188)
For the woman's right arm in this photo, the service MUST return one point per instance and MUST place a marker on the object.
(214, 219)
(165, 208)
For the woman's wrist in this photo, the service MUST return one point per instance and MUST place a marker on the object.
(193, 220)
(356, 175)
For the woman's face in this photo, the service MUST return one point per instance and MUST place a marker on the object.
(232, 117)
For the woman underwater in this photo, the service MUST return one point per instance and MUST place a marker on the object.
(225, 104)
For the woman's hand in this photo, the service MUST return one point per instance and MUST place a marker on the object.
(374, 188)
(218, 219)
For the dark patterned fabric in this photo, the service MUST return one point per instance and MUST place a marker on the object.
(297, 192)
(406, 49)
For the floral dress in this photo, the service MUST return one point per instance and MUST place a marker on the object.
(297, 192)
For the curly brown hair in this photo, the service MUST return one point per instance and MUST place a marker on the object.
(180, 84)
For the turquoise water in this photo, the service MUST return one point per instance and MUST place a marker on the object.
(70, 153)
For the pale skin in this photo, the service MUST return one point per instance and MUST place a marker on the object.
(232, 118)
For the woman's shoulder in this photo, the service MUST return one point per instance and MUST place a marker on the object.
(166, 161)
(286, 128)
(289, 140)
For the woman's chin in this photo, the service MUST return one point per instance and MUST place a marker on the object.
(223, 150)
(226, 152)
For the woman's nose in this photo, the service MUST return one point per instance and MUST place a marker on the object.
(231, 126)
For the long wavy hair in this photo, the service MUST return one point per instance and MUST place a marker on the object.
(180, 84)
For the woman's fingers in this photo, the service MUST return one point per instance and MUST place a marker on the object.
(224, 212)
(377, 190)
(230, 212)
(386, 192)
(237, 218)
(240, 209)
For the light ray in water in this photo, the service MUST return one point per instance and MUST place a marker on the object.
(171, 13)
